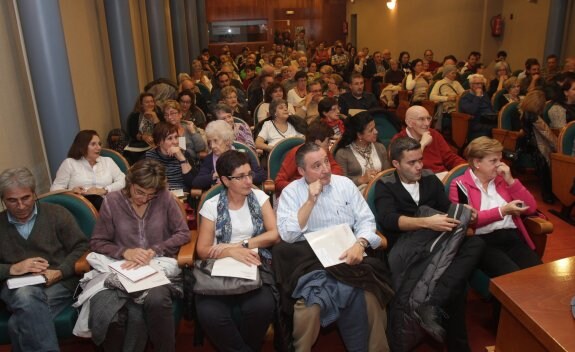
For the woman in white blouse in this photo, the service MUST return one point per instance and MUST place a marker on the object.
(278, 126)
(87, 173)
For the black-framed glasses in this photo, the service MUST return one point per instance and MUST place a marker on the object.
(242, 177)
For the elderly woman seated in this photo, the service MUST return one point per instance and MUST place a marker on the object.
(242, 132)
(221, 139)
(358, 152)
(230, 98)
(225, 231)
(500, 200)
(511, 86)
(122, 321)
(478, 105)
(172, 156)
(87, 173)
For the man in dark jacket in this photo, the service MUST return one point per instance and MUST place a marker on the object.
(37, 239)
(418, 240)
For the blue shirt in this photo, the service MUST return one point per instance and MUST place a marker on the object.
(24, 228)
(339, 202)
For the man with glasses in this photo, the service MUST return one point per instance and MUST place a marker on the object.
(437, 155)
(308, 108)
(317, 201)
(433, 65)
(37, 239)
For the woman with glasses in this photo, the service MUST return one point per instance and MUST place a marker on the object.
(190, 111)
(138, 223)
(169, 153)
(188, 132)
(273, 91)
(234, 223)
(220, 139)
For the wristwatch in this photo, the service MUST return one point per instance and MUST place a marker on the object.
(363, 243)
(245, 244)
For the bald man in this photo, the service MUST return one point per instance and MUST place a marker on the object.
(437, 155)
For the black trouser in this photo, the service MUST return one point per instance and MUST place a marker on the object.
(243, 333)
(505, 252)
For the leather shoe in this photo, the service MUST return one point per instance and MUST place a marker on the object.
(429, 318)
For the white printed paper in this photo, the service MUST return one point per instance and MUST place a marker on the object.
(135, 274)
(157, 279)
(230, 267)
(330, 243)
(182, 142)
(26, 280)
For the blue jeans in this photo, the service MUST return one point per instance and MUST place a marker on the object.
(33, 308)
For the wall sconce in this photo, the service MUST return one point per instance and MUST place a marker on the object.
(391, 4)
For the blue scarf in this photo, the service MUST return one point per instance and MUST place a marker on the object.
(224, 222)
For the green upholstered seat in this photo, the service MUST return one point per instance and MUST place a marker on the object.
(117, 157)
(386, 124)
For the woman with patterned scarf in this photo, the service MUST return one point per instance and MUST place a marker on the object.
(358, 152)
(225, 231)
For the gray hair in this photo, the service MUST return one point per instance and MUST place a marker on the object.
(478, 77)
(303, 151)
(220, 129)
(16, 177)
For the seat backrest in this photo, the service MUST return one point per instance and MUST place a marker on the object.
(386, 124)
(459, 128)
(238, 120)
(369, 191)
(117, 157)
(204, 91)
(458, 101)
(566, 138)
(244, 148)
(506, 115)
(451, 175)
(82, 210)
(430, 87)
(278, 154)
(255, 113)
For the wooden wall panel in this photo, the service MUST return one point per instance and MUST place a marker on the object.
(322, 19)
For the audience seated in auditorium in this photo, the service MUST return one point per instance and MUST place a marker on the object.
(273, 91)
(190, 133)
(531, 78)
(308, 108)
(358, 152)
(120, 321)
(339, 60)
(140, 126)
(500, 200)
(433, 65)
(437, 154)
(375, 70)
(501, 75)
(242, 131)
(563, 110)
(445, 93)
(393, 80)
(418, 81)
(538, 139)
(477, 104)
(404, 62)
(511, 86)
(551, 68)
(357, 98)
(321, 55)
(472, 60)
(307, 205)
(297, 95)
(278, 125)
(330, 115)
(259, 86)
(179, 171)
(87, 173)
(38, 239)
(223, 80)
(411, 208)
(220, 139)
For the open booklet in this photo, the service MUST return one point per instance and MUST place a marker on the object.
(135, 274)
(329, 244)
(25, 280)
(141, 278)
(231, 267)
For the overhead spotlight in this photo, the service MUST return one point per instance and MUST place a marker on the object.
(391, 4)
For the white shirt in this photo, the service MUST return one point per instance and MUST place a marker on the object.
(242, 227)
(340, 202)
(413, 190)
(78, 173)
(271, 135)
(489, 200)
(294, 98)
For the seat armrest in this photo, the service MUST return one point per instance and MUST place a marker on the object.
(269, 186)
(188, 251)
(538, 226)
(81, 266)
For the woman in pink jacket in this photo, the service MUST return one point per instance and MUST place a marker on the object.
(500, 200)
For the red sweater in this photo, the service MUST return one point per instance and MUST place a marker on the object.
(288, 172)
(437, 156)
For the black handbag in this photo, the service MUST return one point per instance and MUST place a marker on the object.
(206, 284)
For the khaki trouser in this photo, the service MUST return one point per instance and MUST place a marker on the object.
(306, 325)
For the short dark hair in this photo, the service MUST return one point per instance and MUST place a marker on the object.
(190, 94)
(318, 131)
(502, 53)
(162, 130)
(250, 67)
(300, 74)
(552, 56)
(79, 147)
(305, 149)
(401, 144)
(274, 105)
(353, 126)
(229, 161)
(325, 105)
(530, 62)
(270, 89)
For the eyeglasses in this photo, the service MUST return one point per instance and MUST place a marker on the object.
(249, 175)
(142, 194)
